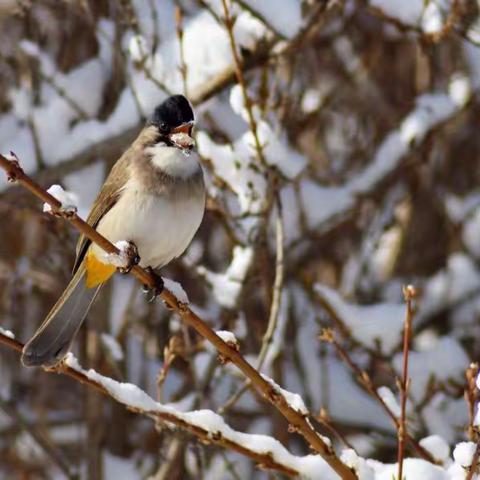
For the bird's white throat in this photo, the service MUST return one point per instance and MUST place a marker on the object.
(173, 161)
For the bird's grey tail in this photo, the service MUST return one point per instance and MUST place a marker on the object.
(52, 340)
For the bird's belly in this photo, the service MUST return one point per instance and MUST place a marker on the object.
(161, 228)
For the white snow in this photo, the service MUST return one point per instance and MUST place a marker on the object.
(227, 286)
(425, 15)
(413, 468)
(459, 279)
(293, 399)
(436, 446)
(177, 290)
(311, 100)
(471, 233)
(323, 203)
(68, 200)
(447, 359)
(357, 463)
(138, 48)
(248, 30)
(285, 16)
(463, 453)
(380, 323)
(390, 400)
(432, 21)
(310, 466)
(121, 259)
(7, 333)
(113, 346)
(227, 337)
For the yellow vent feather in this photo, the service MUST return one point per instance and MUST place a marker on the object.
(97, 271)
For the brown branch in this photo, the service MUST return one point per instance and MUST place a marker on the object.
(298, 421)
(409, 294)
(265, 460)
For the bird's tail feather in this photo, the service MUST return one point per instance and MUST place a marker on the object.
(53, 338)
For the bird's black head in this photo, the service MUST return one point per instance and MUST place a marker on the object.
(173, 112)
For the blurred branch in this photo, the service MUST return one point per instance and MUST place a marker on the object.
(241, 81)
(471, 397)
(274, 309)
(112, 147)
(45, 444)
(299, 422)
(181, 46)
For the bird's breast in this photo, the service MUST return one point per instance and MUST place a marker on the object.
(161, 225)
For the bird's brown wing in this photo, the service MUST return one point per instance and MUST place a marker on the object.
(113, 186)
(106, 199)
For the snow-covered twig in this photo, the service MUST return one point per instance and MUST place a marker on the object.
(298, 421)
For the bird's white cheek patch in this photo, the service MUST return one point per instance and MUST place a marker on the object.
(173, 161)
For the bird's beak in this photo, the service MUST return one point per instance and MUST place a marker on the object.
(181, 136)
(183, 128)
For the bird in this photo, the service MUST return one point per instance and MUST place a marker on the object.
(154, 199)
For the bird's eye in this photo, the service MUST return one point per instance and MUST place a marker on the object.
(164, 127)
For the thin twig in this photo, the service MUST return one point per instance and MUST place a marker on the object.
(241, 81)
(298, 421)
(327, 335)
(409, 294)
(324, 418)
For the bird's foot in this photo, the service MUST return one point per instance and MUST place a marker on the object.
(130, 257)
(158, 289)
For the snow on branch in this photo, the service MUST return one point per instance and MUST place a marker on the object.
(206, 425)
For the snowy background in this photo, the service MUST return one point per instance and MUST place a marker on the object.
(359, 174)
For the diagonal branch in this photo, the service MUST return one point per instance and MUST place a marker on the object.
(299, 421)
(266, 460)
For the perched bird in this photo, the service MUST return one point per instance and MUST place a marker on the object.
(153, 198)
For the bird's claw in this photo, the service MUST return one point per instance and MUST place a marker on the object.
(157, 290)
